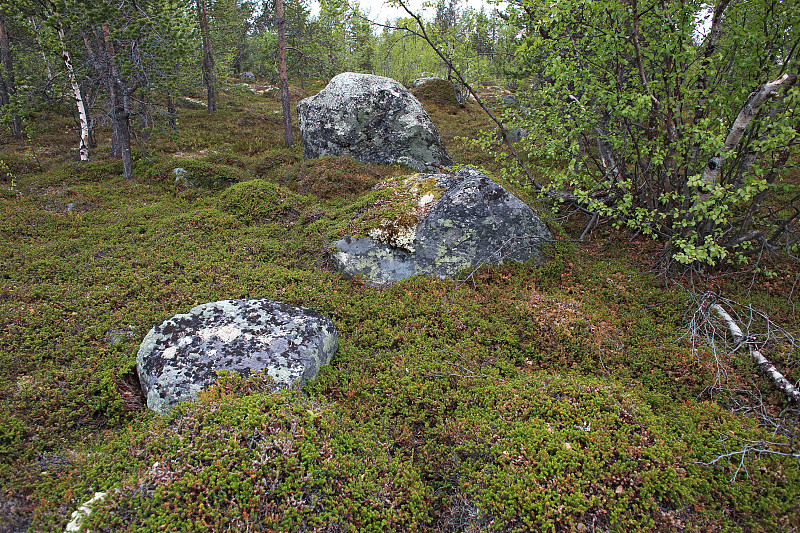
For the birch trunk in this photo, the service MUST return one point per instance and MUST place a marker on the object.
(750, 109)
(764, 365)
(76, 89)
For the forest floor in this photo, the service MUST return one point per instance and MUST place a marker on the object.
(579, 395)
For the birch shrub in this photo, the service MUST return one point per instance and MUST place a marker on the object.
(681, 129)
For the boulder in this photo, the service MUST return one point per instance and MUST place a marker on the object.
(182, 355)
(473, 221)
(422, 81)
(508, 99)
(374, 120)
(249, 76)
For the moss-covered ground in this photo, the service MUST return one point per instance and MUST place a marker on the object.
(562, 397)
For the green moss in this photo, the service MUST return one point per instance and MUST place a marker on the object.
(260, 201)
(463, 395)
(437, 92)
(192, 173)
(11, 435)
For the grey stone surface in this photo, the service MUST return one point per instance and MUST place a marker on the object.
(247, 76)
(422, 81)
(475, 221)
(517, 134)
(181, 356)
(509, 99)
(372, 119)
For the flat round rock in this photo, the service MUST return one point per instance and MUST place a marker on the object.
(182, 355)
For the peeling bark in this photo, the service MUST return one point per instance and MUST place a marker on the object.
(76, 89)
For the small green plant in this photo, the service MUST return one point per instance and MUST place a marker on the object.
(11, 434)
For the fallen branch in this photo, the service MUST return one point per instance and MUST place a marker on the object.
(764, 365)
(751, 447)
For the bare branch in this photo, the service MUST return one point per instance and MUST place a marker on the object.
(764, 365)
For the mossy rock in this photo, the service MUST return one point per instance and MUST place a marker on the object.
(260, 201)
(437, 92)
(329, 177)
(197, 173)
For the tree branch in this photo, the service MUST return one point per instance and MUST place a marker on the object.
(764, 365)
(749, 110)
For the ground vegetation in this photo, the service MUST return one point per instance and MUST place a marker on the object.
(584, 394)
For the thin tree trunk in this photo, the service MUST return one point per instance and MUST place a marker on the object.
(749, 110)
(8, 79)
(76, 89)
(284, 76)
(120, 108)
(208, 56)
(47, 70)
(701, 109)
(173, 121)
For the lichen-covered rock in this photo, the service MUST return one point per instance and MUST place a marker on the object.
(182, 355)
(474, 221)
(372, 119)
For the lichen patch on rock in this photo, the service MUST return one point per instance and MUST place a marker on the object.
(182, 355)
(446, 223)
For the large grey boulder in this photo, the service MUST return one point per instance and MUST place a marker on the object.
(475, 221)
(372, 119)
(181, 356)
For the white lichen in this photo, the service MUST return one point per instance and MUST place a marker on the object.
(394, 234)
(425, 200)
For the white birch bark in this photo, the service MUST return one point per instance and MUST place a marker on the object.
(764, 365)
(750, 109)
(84, 120)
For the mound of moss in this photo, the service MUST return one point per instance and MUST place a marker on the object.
(200, 173)
(259, 200)
(437, 92)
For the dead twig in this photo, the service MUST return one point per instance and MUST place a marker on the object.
(764, 364)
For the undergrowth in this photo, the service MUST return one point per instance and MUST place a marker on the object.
(556, 397)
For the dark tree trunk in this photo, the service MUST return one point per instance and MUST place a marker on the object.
(120, 109)
(173, 114)
(208, 56)
(284, 76)
(7, 80)
(122, 117)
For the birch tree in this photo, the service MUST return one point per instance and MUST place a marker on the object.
(54, 18)
(663, 125)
